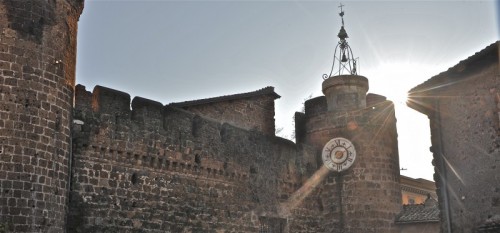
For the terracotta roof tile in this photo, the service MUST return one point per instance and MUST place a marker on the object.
(413, 213)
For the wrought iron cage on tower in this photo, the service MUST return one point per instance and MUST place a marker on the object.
(343, 58)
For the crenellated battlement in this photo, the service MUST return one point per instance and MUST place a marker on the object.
(110, 118)
(109, 101)
(145, 110)
(141, 147)
(140, 111)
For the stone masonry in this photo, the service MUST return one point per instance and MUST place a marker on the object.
(367, 196)
(37, 76)
(73, 160)
(463, 106)
(162, 169)
(251, 111)
(156, 168)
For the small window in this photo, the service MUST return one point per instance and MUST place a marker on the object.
(271, 225)
(133, 178)
(411, 200)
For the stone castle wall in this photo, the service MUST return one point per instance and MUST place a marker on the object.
(254, 113)
(37, 76)
(157, 169)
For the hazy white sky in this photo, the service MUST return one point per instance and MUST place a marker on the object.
(172, 51)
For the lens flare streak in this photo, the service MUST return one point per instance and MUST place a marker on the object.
(304, 191)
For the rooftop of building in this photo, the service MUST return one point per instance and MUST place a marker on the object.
(418, 182)
(490, 52)
(419, 213)
(261, 92)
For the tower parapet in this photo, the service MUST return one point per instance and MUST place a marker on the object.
(37, 77)
(345, 92)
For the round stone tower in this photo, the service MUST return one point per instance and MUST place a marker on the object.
(37, 78)
(356, 138)
(365, 197)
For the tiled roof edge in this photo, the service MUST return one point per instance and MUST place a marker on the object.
(414, 190)
(419, 213)
(415, 221)
(264, 91)
(492, 48)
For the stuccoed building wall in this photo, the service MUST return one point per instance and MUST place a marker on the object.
(463, 106)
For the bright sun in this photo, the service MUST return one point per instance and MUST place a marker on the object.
(395, 79)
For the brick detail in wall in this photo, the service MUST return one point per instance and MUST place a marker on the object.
(256, 113)
(470, 202)
(37, 69)
(371, 185)
(157, 169)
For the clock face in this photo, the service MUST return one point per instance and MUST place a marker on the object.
(338, 154)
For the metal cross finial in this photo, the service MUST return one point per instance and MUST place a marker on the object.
(341, 13)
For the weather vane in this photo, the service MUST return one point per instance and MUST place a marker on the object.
(344, 60)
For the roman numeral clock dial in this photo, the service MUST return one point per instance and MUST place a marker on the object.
(338, 154)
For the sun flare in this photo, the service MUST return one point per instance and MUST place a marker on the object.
(397, 78)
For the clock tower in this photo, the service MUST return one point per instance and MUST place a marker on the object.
(356, 139)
